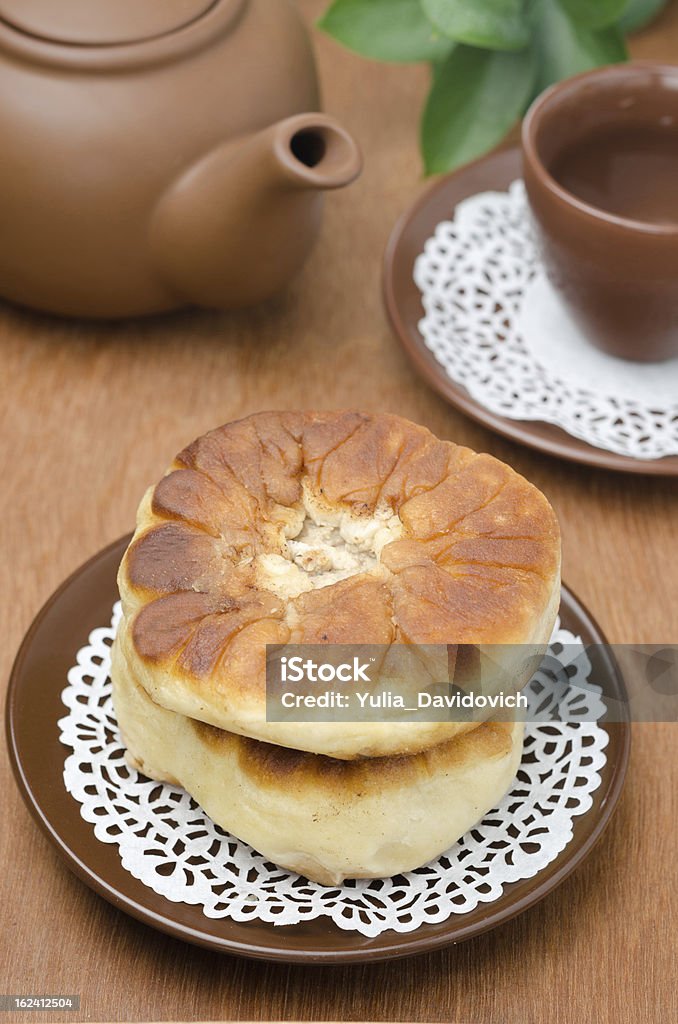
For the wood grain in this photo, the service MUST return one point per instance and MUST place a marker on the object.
(90, 415)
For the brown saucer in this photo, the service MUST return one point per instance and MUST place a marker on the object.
(403, 304)
(34, 706)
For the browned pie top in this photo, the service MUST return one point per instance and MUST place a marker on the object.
(475, 558)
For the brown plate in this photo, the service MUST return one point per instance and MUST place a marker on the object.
(403, 304)
(34, 706)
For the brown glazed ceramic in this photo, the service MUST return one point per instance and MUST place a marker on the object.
(403, 305)
(158, 155)
(34, 707)
(618, 276)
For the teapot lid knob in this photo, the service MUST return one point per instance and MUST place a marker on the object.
(101, 22)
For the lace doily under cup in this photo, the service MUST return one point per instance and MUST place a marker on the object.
(498, 328)
(169, 843)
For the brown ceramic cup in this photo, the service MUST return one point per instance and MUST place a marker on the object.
(617, 276)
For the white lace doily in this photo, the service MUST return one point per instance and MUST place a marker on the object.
(497, 327)
(167, 841)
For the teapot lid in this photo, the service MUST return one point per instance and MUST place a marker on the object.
(101, 22)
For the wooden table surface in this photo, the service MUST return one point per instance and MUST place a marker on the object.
(92, 414)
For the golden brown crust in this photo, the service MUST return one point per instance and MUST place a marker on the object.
(279, 768)
(477, 559)
(335, 614)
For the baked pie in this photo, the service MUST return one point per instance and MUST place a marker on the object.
(340, 528)
(327, 528)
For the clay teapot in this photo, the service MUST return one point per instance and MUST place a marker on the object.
(159, 153)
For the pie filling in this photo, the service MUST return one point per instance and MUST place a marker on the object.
(324, 545)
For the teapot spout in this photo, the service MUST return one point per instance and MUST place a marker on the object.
(240, 223)
(313, 151)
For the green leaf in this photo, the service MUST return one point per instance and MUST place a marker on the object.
(493, 24)
(638, 13)
(476, 97)
(565, 48)
(393, 30)
(594, 13)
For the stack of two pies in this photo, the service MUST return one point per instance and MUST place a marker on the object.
(326, 528)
